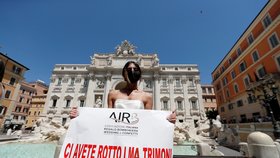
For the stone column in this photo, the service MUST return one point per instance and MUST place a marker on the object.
(186, 99)
(141, 84)
(171, 92)
(107, 89)
(61, 100)
(199, 98)
(90, 92)
(156, 91)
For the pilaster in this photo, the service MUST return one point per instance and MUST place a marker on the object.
(186, 98)
(156, 91)
(171, 92)
(90, 91)
(199, 98)
(107, 89)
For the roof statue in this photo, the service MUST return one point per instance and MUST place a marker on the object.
(156, 60)
(125, 49)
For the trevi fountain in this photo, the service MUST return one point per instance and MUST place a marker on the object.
(47, 138)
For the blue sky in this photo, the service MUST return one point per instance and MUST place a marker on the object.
(40, 33)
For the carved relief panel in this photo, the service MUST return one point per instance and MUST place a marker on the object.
(100, 84)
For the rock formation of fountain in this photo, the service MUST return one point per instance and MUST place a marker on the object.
(184, 132)
(47, 130)
(185, 135)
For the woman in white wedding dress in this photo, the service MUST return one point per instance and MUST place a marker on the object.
(130, 97)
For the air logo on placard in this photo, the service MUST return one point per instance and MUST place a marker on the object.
(124, 117)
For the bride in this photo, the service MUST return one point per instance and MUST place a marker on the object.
(130, 97)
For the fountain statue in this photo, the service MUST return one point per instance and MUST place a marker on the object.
(228, 136)
(185, 136)
(216, 127)
(181, 133)
(48, 130)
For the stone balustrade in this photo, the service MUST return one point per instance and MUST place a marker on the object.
(244, 129)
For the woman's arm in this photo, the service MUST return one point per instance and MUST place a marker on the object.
(110, 100)
(148, 101)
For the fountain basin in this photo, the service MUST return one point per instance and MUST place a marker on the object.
(187, 148)
(27, 150)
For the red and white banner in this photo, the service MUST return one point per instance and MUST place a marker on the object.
(119, 133)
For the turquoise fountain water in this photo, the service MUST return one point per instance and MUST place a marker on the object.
(23, 150)
(186, 148)
(46, 150)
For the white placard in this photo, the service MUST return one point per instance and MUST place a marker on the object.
(119, 133)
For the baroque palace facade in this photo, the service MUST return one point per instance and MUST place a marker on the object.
(173, 86)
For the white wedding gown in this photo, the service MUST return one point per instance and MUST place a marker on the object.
(129, 104)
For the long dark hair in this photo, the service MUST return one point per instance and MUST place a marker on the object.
(2, 70)
(126, 66)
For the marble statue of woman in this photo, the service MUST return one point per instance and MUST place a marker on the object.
(98, 102)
